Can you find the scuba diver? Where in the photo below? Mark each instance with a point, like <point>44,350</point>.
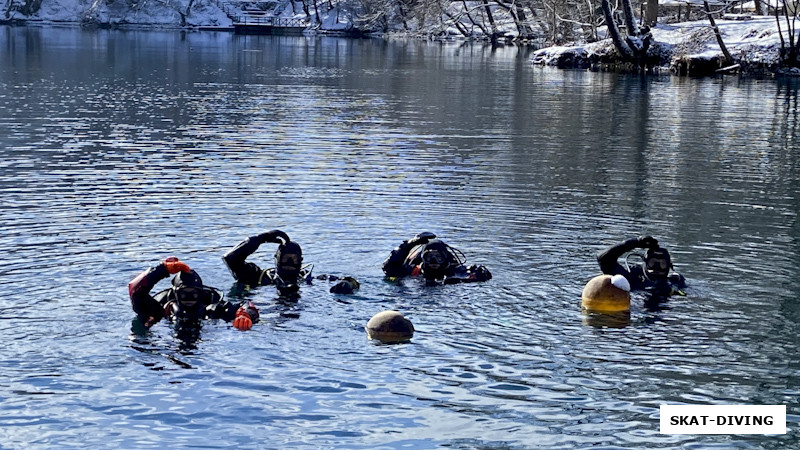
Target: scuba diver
<point>187,301</point>
<point>654,275</point>
<point>436,261</point>
<point>289,271</point>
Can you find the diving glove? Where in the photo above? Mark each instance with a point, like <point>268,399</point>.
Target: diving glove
<point>648,242</point>
<point>422,238</point>
<point>245,316</point>
<point>174,265</point>
<point>275,236</point>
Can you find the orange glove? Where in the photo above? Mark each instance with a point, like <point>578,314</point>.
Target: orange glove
<point>174,265</point>
<point>243,321</point>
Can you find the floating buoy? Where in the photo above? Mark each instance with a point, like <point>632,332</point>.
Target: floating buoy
<point>389,327</point>
<point>606,294</point>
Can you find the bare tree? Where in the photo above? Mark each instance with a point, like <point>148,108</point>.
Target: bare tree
<point>29,7</point>
<point>616,36</point>
<point>651,13</point>
<point>633,48</point>
<point>725,52</point>
<point>788,52</point>
<point>559,20</point>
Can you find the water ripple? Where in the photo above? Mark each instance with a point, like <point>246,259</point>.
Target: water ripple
<point>530,174</point>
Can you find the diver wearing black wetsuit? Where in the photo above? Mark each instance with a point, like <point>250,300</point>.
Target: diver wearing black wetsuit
<point>433,259</point>
<point>187,301</point>
<point>289,271</point>
<point>654,275</point>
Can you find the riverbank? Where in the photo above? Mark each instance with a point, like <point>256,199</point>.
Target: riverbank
<point>122,148</point>
<point>688,48</point>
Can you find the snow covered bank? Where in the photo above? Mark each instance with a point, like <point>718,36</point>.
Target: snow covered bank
<point>463,19</point>
<point>163,13</point>
<point>687,48</point>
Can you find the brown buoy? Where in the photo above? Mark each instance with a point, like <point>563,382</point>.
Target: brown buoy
<point>606,294</point>
<point>389,327</point>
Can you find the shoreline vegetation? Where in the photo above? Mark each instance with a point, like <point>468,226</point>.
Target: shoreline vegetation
<point>685,37</point>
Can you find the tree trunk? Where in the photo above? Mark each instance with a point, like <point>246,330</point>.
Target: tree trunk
<point>592,21</point>
<point>790,56</point>
<point>728,58</point>
<point>630,18</point>
<point>651,13</point>
<point>316,12</point>
<point>525,29</point>
<point>456,23</point>
<point>488,16</point>
<point>518,15</point>
<point>30,7</point>
<point>613,31</point>
<point>188,13</point>
<point>477,24</point>
<point>403,15</point>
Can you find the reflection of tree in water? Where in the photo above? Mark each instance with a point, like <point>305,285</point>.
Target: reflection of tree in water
<point>786,122</point>
<point>786,113</point>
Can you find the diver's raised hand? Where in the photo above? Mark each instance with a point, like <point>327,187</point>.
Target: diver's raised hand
<point>275,236</point>
<point>174,265</point>
<point>648,242</point>
<point>422,238</point>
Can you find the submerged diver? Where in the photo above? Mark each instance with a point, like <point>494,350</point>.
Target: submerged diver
<point>187,301</point>
<point>438,262</point>
<point>654,275</point>
<point>289,271</point>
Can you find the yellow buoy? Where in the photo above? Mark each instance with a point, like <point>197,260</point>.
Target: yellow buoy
<point>389,327</point>
<point>606,294</point>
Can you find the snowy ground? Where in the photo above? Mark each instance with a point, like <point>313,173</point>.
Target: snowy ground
<point>147,13</point>
<point>754,41</point>
<point>758,36</point>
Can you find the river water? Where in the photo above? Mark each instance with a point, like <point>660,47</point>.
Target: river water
<point>122,148</point>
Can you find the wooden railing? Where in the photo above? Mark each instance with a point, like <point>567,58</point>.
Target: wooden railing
<point>248,15</point>
<point>270,21</point>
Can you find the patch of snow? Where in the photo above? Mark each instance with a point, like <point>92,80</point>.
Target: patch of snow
<point>756,40</point>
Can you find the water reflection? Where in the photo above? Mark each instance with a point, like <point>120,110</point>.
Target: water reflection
<point>607,320</point>
<point>120,148</point>
<point>185,342</point>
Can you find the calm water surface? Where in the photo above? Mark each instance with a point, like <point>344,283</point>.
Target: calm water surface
<point>121,148</point>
